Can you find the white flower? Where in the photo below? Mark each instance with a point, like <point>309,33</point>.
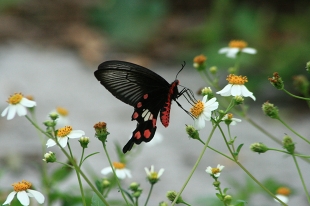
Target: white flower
<point>202,111</point>
<point>62,119</point>
<point>283,198</point>
<point>63,134</point>
<point>216,172</point>
<point>236,46</point>
<point>235,87</point>
<point>120,170</point>
<point>230,119</point>
<point>153,176</point>
<point>17,104</point>
<point>23,193</point>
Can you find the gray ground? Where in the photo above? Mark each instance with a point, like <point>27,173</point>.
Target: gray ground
<point>59,78</point>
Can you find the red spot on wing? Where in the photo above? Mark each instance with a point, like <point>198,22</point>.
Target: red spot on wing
<point>145,96</point>
<point>147,133</point>
<point>137,135</point>
<point>135,115</point>
<point>154,122</point>
<point>139,104</point>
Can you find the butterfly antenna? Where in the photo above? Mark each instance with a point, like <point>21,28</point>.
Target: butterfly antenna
<point>183,65</point>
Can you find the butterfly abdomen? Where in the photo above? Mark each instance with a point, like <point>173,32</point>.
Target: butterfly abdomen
<point>165,110</point>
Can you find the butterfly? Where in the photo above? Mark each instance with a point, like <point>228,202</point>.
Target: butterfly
<point>146,91</point>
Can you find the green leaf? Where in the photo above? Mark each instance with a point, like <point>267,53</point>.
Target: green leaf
<point>90,156</point>
<point>96,201</point>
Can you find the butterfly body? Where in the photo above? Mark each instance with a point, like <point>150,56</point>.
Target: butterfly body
<point>146,91</point>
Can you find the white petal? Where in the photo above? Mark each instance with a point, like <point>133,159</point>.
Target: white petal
<point>209,170</point>
<point>37,195</point>
<point>217,174</point>
<point>21,110</point>
<point>27,103</point>
<point>147,171</point>
<point>160,172</point>
<point>232,52</point>
<point>9,198</point>
<point>76,134</point>
<point>23,198</point>
<point>152,168</point>
<point>211,101</point>
<point>199,123</point>
<point>127,172</point>
<point>249,50</point>
<point>236,90</point>
<point>63,141</point>
<point>224,50</point>
<point>50,143</point>
<point>5,111</point>
<point>246,93</point>
<point>205,99</point>
<point>207,115</point>
<point>212,106</point>
<point>220,167</point>
<point>12,112</point>
<point>120,174</point>
<point>226,90</point>
<point>282,198</point>
<point>106,170</point>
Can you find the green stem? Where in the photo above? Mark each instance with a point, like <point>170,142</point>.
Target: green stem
<point>301,178</point>
<point>229,134</point>
<point>113,170</point>
<point>216,151</point>
<point>82,156</point>
<point>78,176</point>
<point>293,130</point>
<point>149,195</point>
<point>298,97</point>
<point>196,164</point>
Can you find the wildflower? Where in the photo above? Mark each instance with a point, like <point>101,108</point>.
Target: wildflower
<point>229,120</point>
<point>202,111</point>
<point>23,191</point>
<point>235,47</point>
<point>238,100</point>
<point>63,134</point>
<point>17,104</point>
<point>258,147</point>
<point>62,119</point>
<point>135,188</point>
<point>276,81</point>
<point>200,62</point>
<point>270,110</point>
<point>207,91</point>
<point>153,176</point>
<point>49,157</point>
<point>235,87</point>
<point>282,194</point>
<point>84,141</point>
<point>120,170</point>
<point>215,172</point>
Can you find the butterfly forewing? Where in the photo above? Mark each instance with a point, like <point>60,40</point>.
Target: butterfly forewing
<point>129,82</point>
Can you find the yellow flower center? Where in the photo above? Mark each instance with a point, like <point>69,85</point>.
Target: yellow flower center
<point>21,186</point>
<point>15,98</point>
<point>197,109</point>
<point>215,170</point>
<point>234,79</point>
<point>63,132</point>
<point>283,191</point>
<point>229,116</point>
<point>238,44</point>
<point>62,111</point>
<point>118,165</point>
<point>200,59</point>
<point>154,175</point>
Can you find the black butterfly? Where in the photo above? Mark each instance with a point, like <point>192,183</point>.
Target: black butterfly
<point>143,89</point>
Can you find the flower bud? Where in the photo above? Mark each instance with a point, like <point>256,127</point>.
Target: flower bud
<point>53,116</point>
<point>200,62</point>
<point>49,157</point>
<point>301,84</point>
<point>84,141</point>
<point>308,66</point>
<point>213,70</point>
<point>207,91</point>
<point>288,144</point>
<point>259,147</point>
<point>163,204</point>
<point>101,131</point>
<point>270,110</point>
<point>192,132</point>
<point>276,81</point>
<point>134,186</point>
<point>238,100</point>
<point>227,199</point>
<point>106,183</point>
<point>216,183</point>
<point>171,195</point>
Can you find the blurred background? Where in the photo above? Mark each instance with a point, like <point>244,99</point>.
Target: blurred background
<point>50,49</point>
